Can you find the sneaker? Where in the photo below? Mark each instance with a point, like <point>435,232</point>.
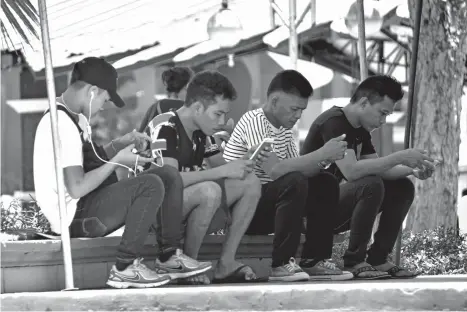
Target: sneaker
<point>289,272</point>
<point>182,266</point>
<point>136,275</point>
<point>325,271</point>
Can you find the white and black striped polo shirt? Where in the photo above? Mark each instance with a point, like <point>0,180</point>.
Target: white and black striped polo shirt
<point>250,130</point>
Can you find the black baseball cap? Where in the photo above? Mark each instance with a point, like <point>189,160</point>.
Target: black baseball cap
<point>98,72</point>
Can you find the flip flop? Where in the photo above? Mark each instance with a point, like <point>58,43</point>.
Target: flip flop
<point>396,269</point>
<point>238,276</point>
<point>356,273</point>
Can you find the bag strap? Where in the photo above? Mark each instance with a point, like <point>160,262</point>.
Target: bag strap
<point>63,109</point>
<point>158,108</point>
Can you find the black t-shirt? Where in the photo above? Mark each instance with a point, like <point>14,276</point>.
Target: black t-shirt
<point>190,153</point>
<point>333,123</point>
<point>160,107</point>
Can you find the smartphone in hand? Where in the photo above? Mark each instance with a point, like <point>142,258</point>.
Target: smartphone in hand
<point>267,142</point>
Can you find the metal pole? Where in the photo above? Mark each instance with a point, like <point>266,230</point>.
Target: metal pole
<point>272,14</point>
<point>410,123</point>
<point>293,40</point>
<point>293,54</point>
<point>313,12</point>
<point>65,235</point>
<point>362,41</point>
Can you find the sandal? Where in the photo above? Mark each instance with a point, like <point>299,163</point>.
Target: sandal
<point>238,276</point>
<point>356,273</point>
<point>396,269</point>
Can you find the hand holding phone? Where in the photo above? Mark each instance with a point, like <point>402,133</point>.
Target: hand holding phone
<point>266,143</point>
<point>423,174</point>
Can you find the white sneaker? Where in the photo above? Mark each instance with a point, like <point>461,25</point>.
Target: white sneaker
<point>182,266</point>
<point>136,275</point>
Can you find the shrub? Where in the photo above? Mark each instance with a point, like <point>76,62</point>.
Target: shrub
<point>18,216</point>
<point>432,252</point>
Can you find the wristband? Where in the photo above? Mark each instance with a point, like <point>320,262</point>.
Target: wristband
<point>112,144</point>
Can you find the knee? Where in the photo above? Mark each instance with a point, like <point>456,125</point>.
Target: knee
<point>171,176</point>
<point>295,179</point>
<point>151,184</point>
<point>406,188</point>
<point>252,185</point>
<point>328,181</point>
<point>373,186</point>
<point>210,194</point>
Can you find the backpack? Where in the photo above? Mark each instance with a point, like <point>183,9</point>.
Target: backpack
<point>159,108</point>
<point>90,160</point>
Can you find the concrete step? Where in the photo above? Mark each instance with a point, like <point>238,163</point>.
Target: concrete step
<point>447,293</point>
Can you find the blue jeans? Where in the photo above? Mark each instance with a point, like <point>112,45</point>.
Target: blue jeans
<point>138,203</point>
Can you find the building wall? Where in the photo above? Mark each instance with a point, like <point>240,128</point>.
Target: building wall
<point>10,84</point>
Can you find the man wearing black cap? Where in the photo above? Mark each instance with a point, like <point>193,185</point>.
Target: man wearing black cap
<point>97,203</point>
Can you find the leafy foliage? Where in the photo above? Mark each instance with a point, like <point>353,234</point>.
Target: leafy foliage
<point>432,252</point>
<point>23,18</point>
<point>18,216</point>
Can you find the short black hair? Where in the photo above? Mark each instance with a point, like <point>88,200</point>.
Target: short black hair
<point>176,78</point>
<point>374,88</point>
<point>205,86</point>
<point>291,82</point>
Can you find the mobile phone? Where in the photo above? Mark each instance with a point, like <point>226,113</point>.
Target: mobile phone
<point>436,163</point>
<point>267,142</point>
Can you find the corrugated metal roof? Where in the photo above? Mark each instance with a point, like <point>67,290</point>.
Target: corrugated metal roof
<point>81,28</point>
<point>106,27</point>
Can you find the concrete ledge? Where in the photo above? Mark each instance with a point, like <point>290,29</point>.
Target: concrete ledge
<point>48,251</point>
<point>42,260</point>
<point>423,293</point>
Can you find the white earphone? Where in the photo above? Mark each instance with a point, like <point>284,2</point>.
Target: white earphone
<point>89,130</point>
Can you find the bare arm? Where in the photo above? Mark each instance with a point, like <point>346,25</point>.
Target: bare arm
<point>190,178</point>
<point>353,169</point>
<point>110,150</point>
<point>216,161</point>
<point>141,141</point>
<point>394,173</point>
<point>79,184</point>
<point>307,164</point>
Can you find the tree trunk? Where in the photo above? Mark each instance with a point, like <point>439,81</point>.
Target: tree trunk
<point>437,102</point>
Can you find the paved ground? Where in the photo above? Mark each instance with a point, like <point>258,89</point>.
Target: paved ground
<point>448,293</point>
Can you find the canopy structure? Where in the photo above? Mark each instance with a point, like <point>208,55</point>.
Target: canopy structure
<point>81,28</point>
<point>99,28</point>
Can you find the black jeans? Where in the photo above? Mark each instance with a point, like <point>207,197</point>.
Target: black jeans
<point>359,204</point>
<point>284,203</point>
<point>152,199</point>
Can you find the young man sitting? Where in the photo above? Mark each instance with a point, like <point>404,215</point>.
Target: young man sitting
<point>223,194</point>
<point>372,184</point>
<point>293,185</point>
<point>96,202</point>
